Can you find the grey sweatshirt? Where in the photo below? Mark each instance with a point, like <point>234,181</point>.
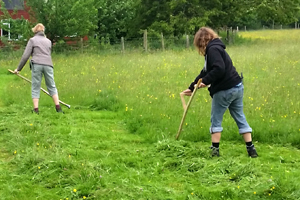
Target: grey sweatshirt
<point>39,47</point>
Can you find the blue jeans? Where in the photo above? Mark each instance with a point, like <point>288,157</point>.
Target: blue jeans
<point>233,100</point>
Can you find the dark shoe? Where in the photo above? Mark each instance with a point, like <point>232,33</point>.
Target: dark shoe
<point>59,110</point>
<point>252,151</point>
<point>35,111</point>
<point>214,151</point>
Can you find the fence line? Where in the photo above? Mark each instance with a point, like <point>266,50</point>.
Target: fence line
<point>145,43</point>
<point>162,42</point>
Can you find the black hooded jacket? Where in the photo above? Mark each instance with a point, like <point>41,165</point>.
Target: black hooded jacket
<point>218,71</point>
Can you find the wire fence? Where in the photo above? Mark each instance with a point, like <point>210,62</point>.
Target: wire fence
<point>142,44</point>
<point>145,43</point>
<point>105,46</point>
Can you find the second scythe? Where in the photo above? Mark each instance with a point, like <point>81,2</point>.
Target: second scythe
<point>186,106</point>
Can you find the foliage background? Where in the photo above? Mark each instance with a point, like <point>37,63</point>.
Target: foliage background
<point>110,20</point>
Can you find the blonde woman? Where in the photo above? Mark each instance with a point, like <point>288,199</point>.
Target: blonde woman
<point>226,88</point>
<point>39,47</point>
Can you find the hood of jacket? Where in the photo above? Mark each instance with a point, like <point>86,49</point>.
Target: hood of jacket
<point>214,42</point>
<point>41,33</point>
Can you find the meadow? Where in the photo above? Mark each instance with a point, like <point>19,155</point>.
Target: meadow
<point>118,139</point>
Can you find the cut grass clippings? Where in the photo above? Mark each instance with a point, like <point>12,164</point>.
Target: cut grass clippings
<point>50,156</point>
<point>118,139</point>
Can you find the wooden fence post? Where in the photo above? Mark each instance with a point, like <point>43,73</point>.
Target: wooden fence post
<point>231,32</point>
<point>123,46</point>
<point>81,44</point>
<point>245,28</point>
<point>227,35</point>
<point>233,35</point>
<point>145,41</point>
<point>187,41</point>
<point>162,42</point>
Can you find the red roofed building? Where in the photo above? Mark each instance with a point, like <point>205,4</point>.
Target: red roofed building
<point>19,15</point>
<point>19,12</point>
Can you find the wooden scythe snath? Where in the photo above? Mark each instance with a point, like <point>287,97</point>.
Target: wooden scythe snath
<point>186,106</point>
<point>46,92</point>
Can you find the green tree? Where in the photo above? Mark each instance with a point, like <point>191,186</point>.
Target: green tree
<point>114,17</point>
<point>278,11</point>
<point>153,15</point>
<point>188,16</point>
<point>226,13</point>
<point>171,17</point>
<point>65,18</point>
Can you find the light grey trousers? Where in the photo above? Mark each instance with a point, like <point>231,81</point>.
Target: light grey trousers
<point>37,72</point>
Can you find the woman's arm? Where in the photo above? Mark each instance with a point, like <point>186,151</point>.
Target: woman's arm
<point>215,66</point>
<point>202,74</point>
<point>26,55</point>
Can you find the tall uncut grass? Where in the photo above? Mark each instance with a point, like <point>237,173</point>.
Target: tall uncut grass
<point>146,87</point>
<point>118,139</point>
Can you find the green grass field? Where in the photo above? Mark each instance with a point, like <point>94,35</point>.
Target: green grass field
<point>118,139</point>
